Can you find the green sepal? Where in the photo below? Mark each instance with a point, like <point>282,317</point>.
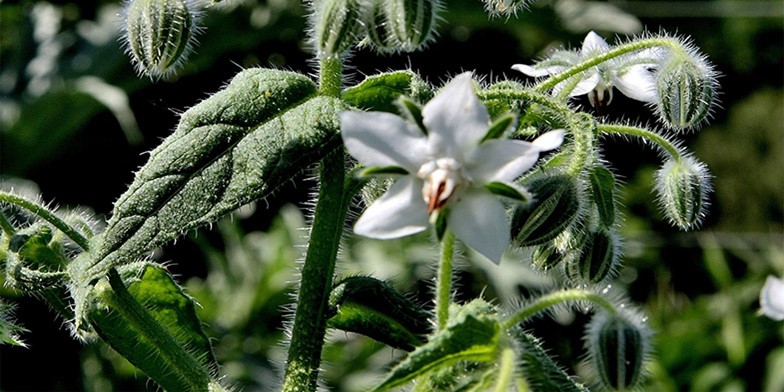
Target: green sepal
<point>499,127</point>
<point>538,368</point>
<point>440,225</point>
<point>145,316</point>
<point>546,257</point>
<point>506,190</point>
<point>472,334</point>
<point>598,259</point>
<point>602,187</point>
<point>414,112</point>
<point>380,171</point>
<point>554,208</point>
<point>375,309</point>
<point>34,245</point>
<point>380,92</point>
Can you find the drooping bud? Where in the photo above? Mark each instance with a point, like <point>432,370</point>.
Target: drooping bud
<point>599,258</point>
<point>618,346</point>
<point>546,257</point>
<point>686,86</point>
<point>337,26</point>
<point>412,22</point>
<point>159,34</point>
<point>555,206</point>
<point>682,187</point>
<point>377,25</point>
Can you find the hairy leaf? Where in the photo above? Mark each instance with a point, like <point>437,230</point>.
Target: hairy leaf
<point>380,92</point>
<point>539,369</point>
<point>153,324</point>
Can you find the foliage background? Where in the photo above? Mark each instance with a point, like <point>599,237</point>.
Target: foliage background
<point>75,122</point>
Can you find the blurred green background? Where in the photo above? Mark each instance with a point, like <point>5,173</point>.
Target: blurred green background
<point>75,122</point>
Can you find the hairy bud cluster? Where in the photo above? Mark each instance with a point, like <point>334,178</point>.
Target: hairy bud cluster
<point>618,346</point>
<point>682,187</point>
<point>385,25</point>
<point>555,206</point>
<point>159,34</point>
<point>686,87</point>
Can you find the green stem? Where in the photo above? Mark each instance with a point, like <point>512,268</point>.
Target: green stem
<point>556,298</point>
<point>187,368</point>
<point>645,134</point>
<point>506,369</point>
<point>444,279</point>
<point>48,216</point>
<point>617,51</point>
<point>310,321</point>
<point>331,76</point>
<point>528,96</point>
<point>582,128</point>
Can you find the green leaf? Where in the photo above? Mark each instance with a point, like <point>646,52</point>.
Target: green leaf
<point>380,92</point>
<point>602,186</point>
<point>34,245</point>
<point>233,148</point>
<point>374,308</point>
<point>386,170</point>
<point>499,126</point>
<point>506,190</point>
<point>471,335</point>
<point>9,330</point>
<point>153,324</point>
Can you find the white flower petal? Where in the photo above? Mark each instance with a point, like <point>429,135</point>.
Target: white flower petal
<point>594,44</point>
<point>479,220</point>
<point>455,119</point>
<point>501,160</point>
<point>550,140</point>
<point>536,71</point>
<point>399,212</point>
<point>383,139</point>
<point>772,298</point>
<point>586,85</point>
<point>638,83</point>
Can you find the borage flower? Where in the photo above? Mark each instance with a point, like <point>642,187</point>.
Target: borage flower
<point>772,298</point>
<point>631,74</point>
<point>452,166</point>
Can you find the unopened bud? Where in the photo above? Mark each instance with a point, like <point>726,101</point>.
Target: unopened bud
<point>546,257</point>
<point>599,258</point>
<point>555,206</point>
<point>337,25</point>
<point>377,26</point>
<point>686,86</point>
<point>618,348</point>
<point>683,186</point>
<point>413,22</point>
<point>159,34</point>
<point>504,7</point>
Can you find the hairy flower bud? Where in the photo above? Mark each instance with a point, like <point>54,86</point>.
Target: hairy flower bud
<point>504,7</point>
<point>555,206</point>
<point>377,26</point>
<point>686,86</point>
<point>337,25</point>
<point>546,257</point>
<point>682,186</point>
<point>412,22</point>
<point>159,34</point>
<point>618,346</point>
<point>599,258</point>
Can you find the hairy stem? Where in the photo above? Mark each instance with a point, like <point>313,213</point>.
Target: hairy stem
<point>644,134</point>
<point>444,279</point>
<point>48,216</point>
<point>556,298</point>
<point>505,370</point>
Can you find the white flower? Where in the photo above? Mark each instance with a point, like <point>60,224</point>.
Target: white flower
<point>772,298</point>
<point>446,169</point>
<point>631,74</point>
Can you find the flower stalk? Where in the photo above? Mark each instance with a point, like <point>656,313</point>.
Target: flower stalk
<point>556,298</point>
<point>444,280</point>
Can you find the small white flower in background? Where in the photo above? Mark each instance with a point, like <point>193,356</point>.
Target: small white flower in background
<point>631,74</point>
<point>772,298</point>
<point>446,169</point>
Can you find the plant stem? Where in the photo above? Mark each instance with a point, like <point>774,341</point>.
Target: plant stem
<point>556,298</point>
<point>331,76</point>
<point>48,216</point>
<point>505,371</point>
<point>444,279</point>
<point>645,134</point>
<point>310,322</point>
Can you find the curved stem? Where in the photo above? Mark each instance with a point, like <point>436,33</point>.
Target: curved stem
<point>661,141</point>
<point>48,216</point>
<point>617,51</point>
<point>444,279</point>
<point>556,298</point>
<point>529,96</point>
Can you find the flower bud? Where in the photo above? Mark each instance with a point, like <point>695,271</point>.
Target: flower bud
<point>686,86</point>
<point>598,259</point>
<point>377,27</point>
<point>546,257</point>
<point>412,22</point>
<point>504,7</point>
<point>555,206</point>
<point>618,346</point>
<point>159,34</point>
<point>682,186</point>
<point>337,25</point>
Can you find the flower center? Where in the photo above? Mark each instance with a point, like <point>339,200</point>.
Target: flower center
<point>444,177</point>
